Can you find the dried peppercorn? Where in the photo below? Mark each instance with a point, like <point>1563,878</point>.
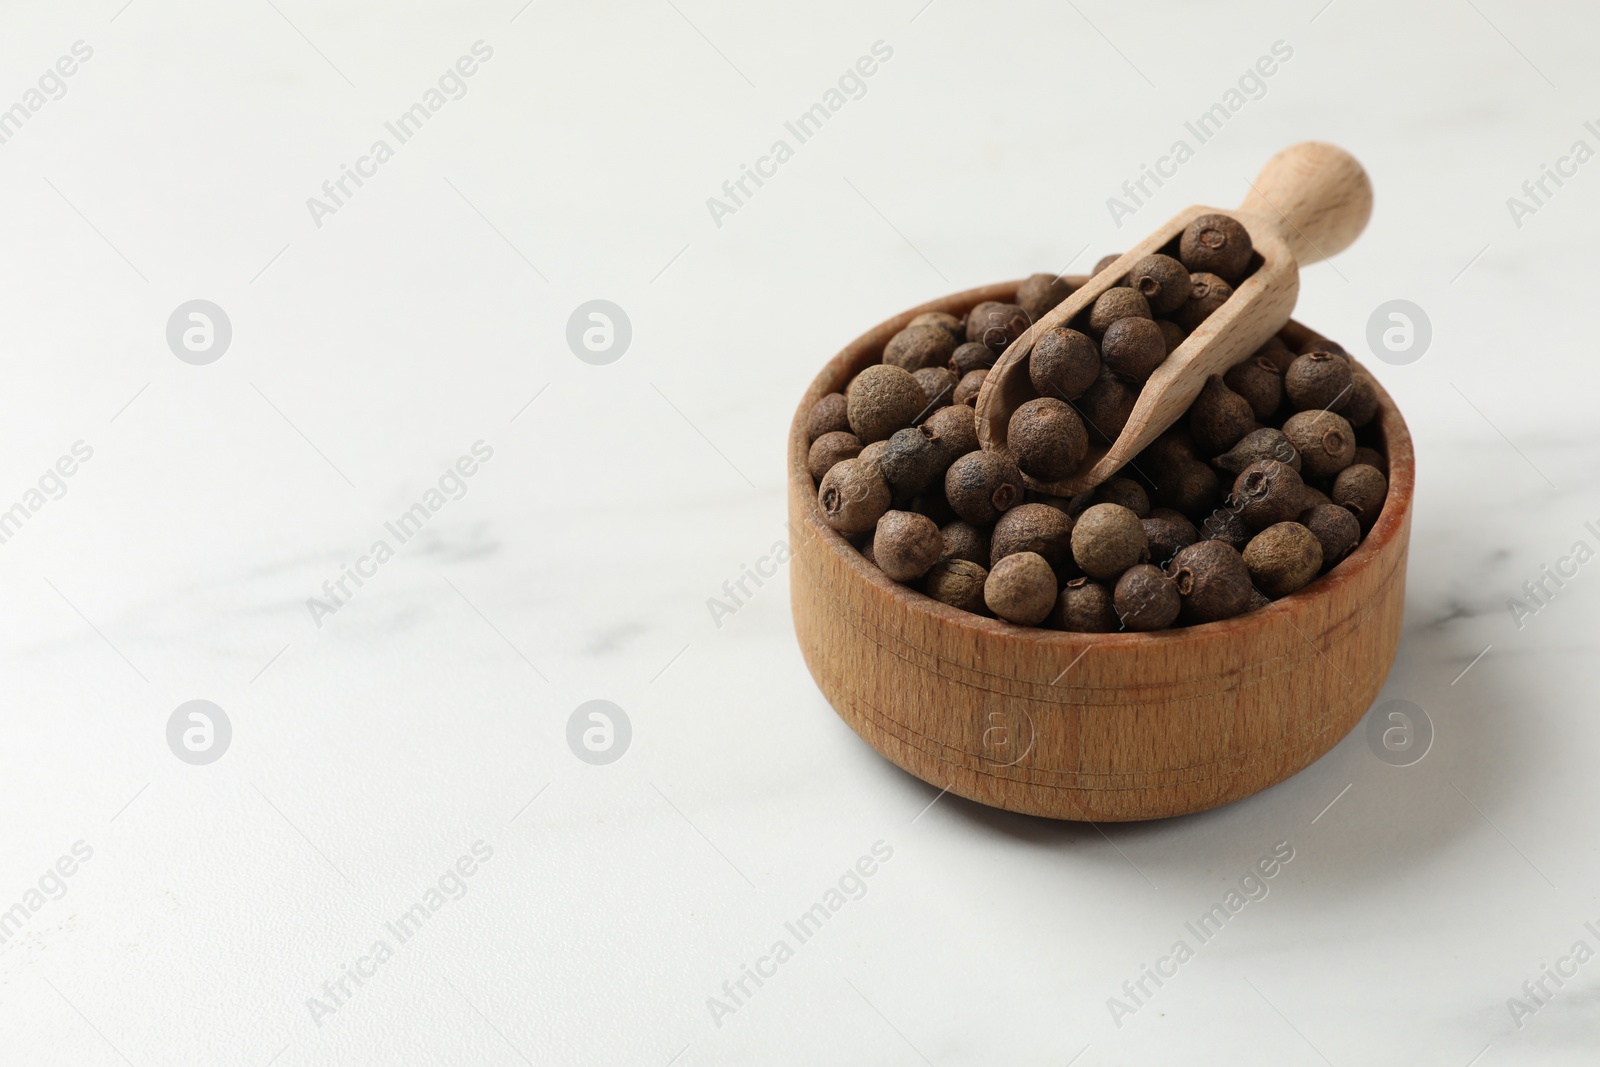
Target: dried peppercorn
<point>1047,438</point>
<point>1118,302</point>
<point>938,384</point>
<point>1372,458</point>
<point>1132,348</point>
<point>1260,382</point>
<point>1021,588</point>
<point>1336,530</point>
<point>1362,406</point>
<point>827,415</point>
<point>829,449</point>
<point>1212,581</point>
<point>1167,531</point>
<point>959,583</point>
<point>1361,490</point>
<point>964,540</point>
<point>882,399</point>
<point>1085,606</point>
<point>1282,558</point>
<point>1035,528</point>
<point>1325,441</point>
<point>1219,417</point>
<point>954,429</point>
<point>980,485</point>
<point>912,462</point>
<point>1125,491</point>
<point>933,504</point>
<point>1162,281</point>
<point>1318,381</point>
<point>1267,492</point>
<point>1265,443</point>
<point>1172,334</point>
<point>1207,293</point>
<point>1188,486</point>
<point>1105,407</point>
<point>1216,244</point>
<point>969,357</point>
<point>1039,293</point>
<point>853,496</point>
<point>944,320</point>
<point>1107,539</point>
<point>905,545</point>
<point>1279,353</point>
<point>916,347</point>
<point>1063,363</point>
<point>1146,599</point>
<point>968,388</point>
<point>1226,526</point>
<point>1105,261</point>
<point>996,325</point>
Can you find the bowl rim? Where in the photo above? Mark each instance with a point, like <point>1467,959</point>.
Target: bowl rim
<point>1370,552</point>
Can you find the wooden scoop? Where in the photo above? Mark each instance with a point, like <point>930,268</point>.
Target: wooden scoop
<point>1310,201</point>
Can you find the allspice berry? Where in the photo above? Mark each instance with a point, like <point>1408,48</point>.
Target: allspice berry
<point>1108,539</point>
<point>912,462</point>
<point>1105,261</point>
<point>944,320</point>
<point>1047,438</point>
<point>872,453</point>
<point>996,325</point>
<point>1167,531</point>
<point>980,485</point>
<point>1325,441</point>
<point>1146,599</point>
<point>938,384</point>
<point>968,388</point>
<point>1267,492</point>
<point>1226,526</point>
<point>1105,407</point>
<point>1279,353</point>
<point>1188,486</point>
<point>1219,417</point>
<point>1216,244</point>
<point>933,504</point>
<point>1173,334</point>
<point>1362,405</point>
<point>905,545</point>
<point>1282,558</point>
<point>1162,281</point>
<point>1116,303</point>
<point>1064,363</point>
<point>882,399</point>
<point>1336,530</point>
<point>1361,490</point>
<point>829,449</point>
<point>1318,381</point>
<point>1372,458</point>
<point>1125,491</point>
<point>1265,443</point>
<point>1041,292</point>
<point>853,496</point>
<point>959,583</point>
<point>969,357</point>
<point>1207,293</point>
<point>1212,581</point>
<point>916,347</point>
<point>1260,382</point>
<point>963,540</point>
<point>1086,607</point>
<point>954,428</point>
<point>1021,589</point>
<point>1133,348</point>
<point>1036,528</point>
<point>827,415</point>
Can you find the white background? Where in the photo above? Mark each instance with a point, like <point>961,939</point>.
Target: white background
<point>372,351</point>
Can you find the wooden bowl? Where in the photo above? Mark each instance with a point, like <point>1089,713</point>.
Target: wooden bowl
<point>1097,727</point>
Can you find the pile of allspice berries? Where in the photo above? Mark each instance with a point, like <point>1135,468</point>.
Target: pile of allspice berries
<point>1269,480</point>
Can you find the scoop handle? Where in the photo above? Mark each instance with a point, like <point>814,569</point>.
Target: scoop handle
<point>1317,195</point>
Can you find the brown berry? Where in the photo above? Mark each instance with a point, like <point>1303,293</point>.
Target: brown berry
<point>912,462</point>
<point>1207,293</point>
<point>1105,407</point>
<point>1260,382</point>
<point>1336,530</point>
<point>1216,244</point>
<point>933,504</point>
<point>1282,558</point>
<point>916,347</point>
<point>827,416</point>
<point>1318,381</point>
<point>873,452</point>
<point>1116,303</point>
<point>1265,443</point>
<point>1125,491</point>
<point>959,583</point>
<point>1085,606</point>
<point>1226,526</point>
<point>1361,490</point>
<point>1212,580</point>
<point>963,540</point>
<point>1219,417</point>
<point>829,449</point>
<point>1035,528</point>
<point>1167,531</point>
<point>1108,539</point>
<point>1188,486</point>
<point>1146,599</point>
<point>905,545</point>
<point>853,496</point>
<point>1047,438</point>
<point>954,429</point>
<point>1172,334</point>
<point>1267,492</point>
<point>1021,589</point>
<point>945,321</point>
<point>1133,348</point>
<point>1041,292</point>
<point>1105,261</point>
<point>1063,363</point>
<point>996,325</point>
<point>969,357</point>
<point>1279,353</point>
<point>1372,458</point>
<point>1361,407</point>
<point>980,485</point>
<point>1162,281</point>
<point>968,388</point>
<point>938,384</point>
<point>881,400</point>
<point>1324,440</point>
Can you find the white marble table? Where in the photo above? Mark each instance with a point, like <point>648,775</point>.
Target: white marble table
<point>399,773</point>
